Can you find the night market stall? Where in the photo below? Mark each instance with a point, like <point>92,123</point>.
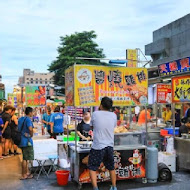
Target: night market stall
<point>85,86</point>
<point>181,94</point>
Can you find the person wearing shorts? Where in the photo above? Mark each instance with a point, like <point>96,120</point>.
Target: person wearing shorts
<point>6,131</point>
<point>25,126</point>
<point>1,143</point>
<point>103,123</point>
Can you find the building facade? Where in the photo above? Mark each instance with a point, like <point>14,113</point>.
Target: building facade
<point>171,42</point>
<point>31,78</point>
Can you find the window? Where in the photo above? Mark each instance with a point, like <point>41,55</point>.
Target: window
<point>31,79</point>
<point>45,82</point>
<point>31,82</point>
<point>40,82</point>
<point>36,82</point>
<point>27,79</point>
<point>27,82</point>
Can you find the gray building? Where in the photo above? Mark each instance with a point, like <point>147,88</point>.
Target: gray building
<point>31,78</point>
<point>171,42</point>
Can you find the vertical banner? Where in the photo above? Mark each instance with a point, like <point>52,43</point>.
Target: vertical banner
<point>163,93</point>
<point>132,54</point>
<point>125,86</point>
<point>181,89</point>
<point>12,99</point>
<point>20,95</point>
<point>69,86</point>
<point>35,96</point>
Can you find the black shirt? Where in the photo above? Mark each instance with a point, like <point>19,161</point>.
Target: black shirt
<point>84,129</point>
<point>6,117</point>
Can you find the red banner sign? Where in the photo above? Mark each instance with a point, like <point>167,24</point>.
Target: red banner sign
<point>164,93</point>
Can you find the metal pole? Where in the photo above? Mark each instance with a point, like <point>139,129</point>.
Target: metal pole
<point>156,114</point>
<point>173,118</point>
<point>67,130</point>
<point>75,129</point>
<point>146,126</point>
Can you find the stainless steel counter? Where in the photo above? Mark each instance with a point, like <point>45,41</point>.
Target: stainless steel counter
<point>182,147</point>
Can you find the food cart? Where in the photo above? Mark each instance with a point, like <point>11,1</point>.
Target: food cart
<point>162,97</point>
<point>85,86</point>
<point>181,94</point>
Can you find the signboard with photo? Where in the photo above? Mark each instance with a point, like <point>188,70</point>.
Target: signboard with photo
<point>129,164</point>
<point>35,96</point>
<point>164,93</point>
<point>125,86</point>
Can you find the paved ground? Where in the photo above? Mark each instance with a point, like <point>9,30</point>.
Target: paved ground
<point>10,172</point>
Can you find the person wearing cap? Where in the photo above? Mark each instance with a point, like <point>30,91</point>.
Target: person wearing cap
<point>185,127</point>
<point>142,116</point>
<point>84,127</point>
<point>167,114</point>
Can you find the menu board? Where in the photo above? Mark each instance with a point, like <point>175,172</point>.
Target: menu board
<point>164,93</point>
<point>125,86</point>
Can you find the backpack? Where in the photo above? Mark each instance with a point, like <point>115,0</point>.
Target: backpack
<point>16,137</point>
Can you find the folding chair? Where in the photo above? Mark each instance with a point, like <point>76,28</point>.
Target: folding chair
<point>52,159</point>
<point>41,163</point>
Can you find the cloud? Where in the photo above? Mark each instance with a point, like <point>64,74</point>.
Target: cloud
<point>30,29</point>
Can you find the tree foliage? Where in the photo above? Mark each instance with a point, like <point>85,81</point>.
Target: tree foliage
<point>72,46</point>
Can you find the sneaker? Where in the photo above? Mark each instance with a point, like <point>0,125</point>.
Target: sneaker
<point>95,188</point>
<point>113,188</point>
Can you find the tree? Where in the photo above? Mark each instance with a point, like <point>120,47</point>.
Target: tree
<point>76,45</point>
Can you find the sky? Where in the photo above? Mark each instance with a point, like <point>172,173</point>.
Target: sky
<point>30,30</point>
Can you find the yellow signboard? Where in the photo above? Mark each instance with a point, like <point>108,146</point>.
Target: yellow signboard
<point>125,86</point>
<point>132,57</point>
<point>181,89</point>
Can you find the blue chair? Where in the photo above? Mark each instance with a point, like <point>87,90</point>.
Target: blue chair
<point>52,159</point>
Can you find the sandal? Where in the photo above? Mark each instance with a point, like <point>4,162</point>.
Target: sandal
<point>30,176</point>
<point>23,178</point>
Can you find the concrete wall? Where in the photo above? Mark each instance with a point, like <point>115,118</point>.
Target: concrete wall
<point>178,35</point>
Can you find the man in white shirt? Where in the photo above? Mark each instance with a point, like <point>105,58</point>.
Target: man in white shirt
<point>103,123</point>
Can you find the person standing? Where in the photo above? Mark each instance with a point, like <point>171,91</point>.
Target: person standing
<point>25,126</point>
<point>46,120</point>
<point>167,115</point>
<point>103,123</point>
<point>1,139</point>
<point>14,127</point>
<point>56,122</point>
<point>142,116</point>
<point>187,112</point>
<point>84,127</point>
<point>6,131</point>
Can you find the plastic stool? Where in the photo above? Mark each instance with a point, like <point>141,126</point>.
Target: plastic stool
<point>41,162</point>
<point>52,159</point>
